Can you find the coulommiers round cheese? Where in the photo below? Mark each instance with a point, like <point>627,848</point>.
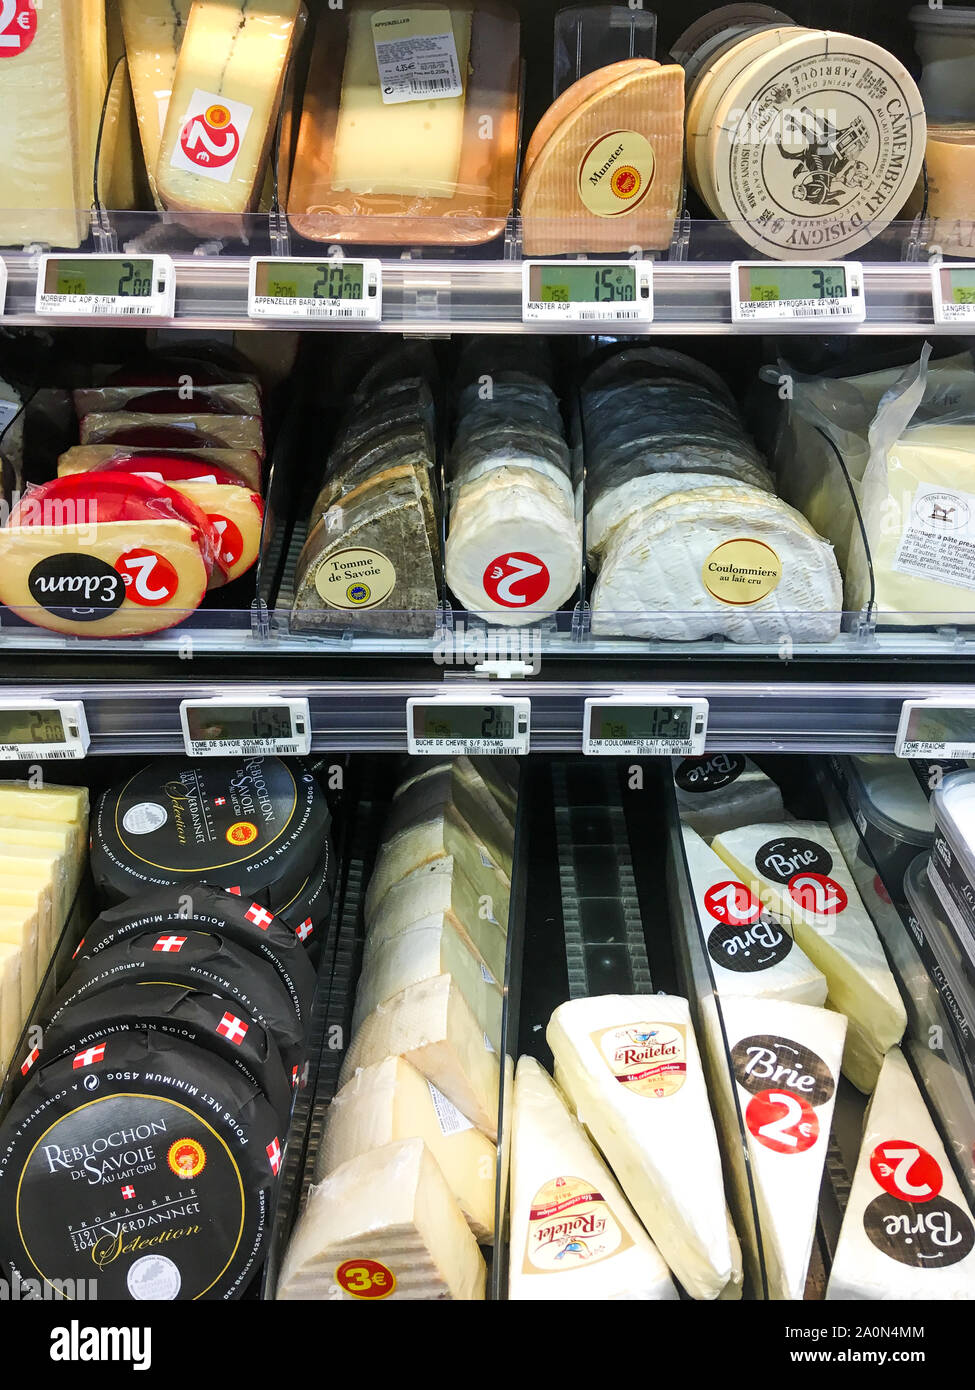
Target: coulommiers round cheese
<point>816,146</point>
<point>138,1168</point>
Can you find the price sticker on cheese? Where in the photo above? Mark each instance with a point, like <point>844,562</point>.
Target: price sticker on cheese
<point>33,730</point>
<point>479,724</point>
<point>796,292</point>
<point>262,726</point>
<point>621,726</point>
<point>337,291</point>
<point>936,728</point>
<point>106,287</point>
<point>575,292</point>
<point>953,292</point>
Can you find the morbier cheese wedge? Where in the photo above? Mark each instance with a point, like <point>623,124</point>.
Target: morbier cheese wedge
<point>11,1017</point>
<point>391,1101</point>
<point>752,955</point>
<point>631,1068</point>
<point>798,872</point>
<point>908,1232</point>
<point>235,432</point>
<point>154,32</point>
<point>574,1236</point>
<point>388,1212</point>
<point>785,1059</point>
<point>435,891</point>
<point>429,948</point>
<point>19,926</point>
<point>226,90</point>
<point>722,791</point>
<point>432,1026</point>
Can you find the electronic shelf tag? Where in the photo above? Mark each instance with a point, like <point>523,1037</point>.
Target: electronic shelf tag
<point>936,728</point>
<point>338,291</point>
<point>106,287</point>
<point>620,725</point>
<point>476,724</point>
<point>953,292</point>
<point>244,727</point>
<point>583,292</point>
<point>34,730</point>
<point>797,292</point>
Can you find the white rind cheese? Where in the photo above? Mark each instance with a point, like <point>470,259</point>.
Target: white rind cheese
<point>908,1232</point>
<point>630,1066</point>
<point>573,1234</point>
<point>439,890</point>
<point>721,791</point>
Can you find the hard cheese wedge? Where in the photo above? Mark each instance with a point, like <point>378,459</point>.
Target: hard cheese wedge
<point>30,891</point>
<point>439,890</point>
<point>752,951</point>
<point>449,788</point>
<point>798,872</point>
<point>429,948</point>
<point>154,32</point>
<point>238,516</point>
<point>20,927</point>
<point>908,1232</point>
<point>43,865</point>
<point>574,1236</point>
<point>226,90</point>
<point>52,804</point>
<point>383,1225</point>
<point>785,1059</point>
<point>630,1066</point>
<point>432,1026</point>
<point>574,97</point>
<point>391,1101</point>
<point>11,1016</point>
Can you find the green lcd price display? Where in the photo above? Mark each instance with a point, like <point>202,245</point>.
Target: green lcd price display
<point>43,729</point>
<point>935,728</point>
<point>329,290</point>
<point>583,284</point>
<point>953,291</point>
<point>962,286</point>
<point>617,725</point>
<point>770,284</point>
<point>34,726</point>
<point>239,723</point>
<point>638,724</point>
<point>305,280</point>
<point>484,725</point>
<point>116,279</point>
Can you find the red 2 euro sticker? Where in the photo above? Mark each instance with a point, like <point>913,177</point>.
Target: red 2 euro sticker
<point>905,1170</point>
<point>149,577</point>
<point>211,136</point>
<point>733,903</point>
<point>782,1121</point>
<point>18,25</point>
<point>231,541</point>
<point>516,580</point>
<point>819,894</point>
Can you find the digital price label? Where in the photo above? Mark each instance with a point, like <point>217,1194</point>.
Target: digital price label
<point>953,292</point>
<point>100,286</point>
<point>336,290</point>
<point>575,292</point>
<point>936,729</point>
<point>621,726</point>
<point>482,724</point>
<point>33,730</point>
<point>264,726</point>
<point>790,292</point>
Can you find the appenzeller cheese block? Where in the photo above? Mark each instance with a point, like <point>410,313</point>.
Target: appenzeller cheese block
<point>609,176</point>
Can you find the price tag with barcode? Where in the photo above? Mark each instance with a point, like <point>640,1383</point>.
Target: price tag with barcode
<point>416,54</point>
<point>338,290</point>
<point>580,292</point>
<point>953,292</point>
<point>936,728</point>
<point>35,730</point>
<point>257,726</point>
<point>107,287</point>
<point>476,724</point>
<point>797,292</point>
<point>619,725</point>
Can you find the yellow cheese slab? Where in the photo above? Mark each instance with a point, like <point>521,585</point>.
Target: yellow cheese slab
<point>19,927</point>
<point>154,32</point>
<point>10,996</point>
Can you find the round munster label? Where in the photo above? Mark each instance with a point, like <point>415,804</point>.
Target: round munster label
<point>570,1226</point>
<point>710,773</point>
<point>355,579</point>
<point>650,1059</point>
<point>781,860</point>
<point>616,173</point>
<point>741,572</point>
<point>18,25</point>
<point>766,1062</point>
<point>747,950</point>
<point>932,1235</point>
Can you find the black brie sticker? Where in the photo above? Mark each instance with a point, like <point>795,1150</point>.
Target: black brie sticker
<point>927,1235</point>
<point>748,949</point>
<point>710,773</point>
<point>780,860</point>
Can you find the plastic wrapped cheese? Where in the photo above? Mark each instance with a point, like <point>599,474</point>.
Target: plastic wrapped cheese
<point>721,791</point>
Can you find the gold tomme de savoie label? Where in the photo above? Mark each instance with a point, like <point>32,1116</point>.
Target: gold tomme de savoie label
<point>650,1059</point>
<point>570,1226</point>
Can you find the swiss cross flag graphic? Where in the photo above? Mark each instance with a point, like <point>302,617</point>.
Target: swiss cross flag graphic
<point>294,1076</point>
<point>30,1061</point>
<point>88,1057</point>
<point>274,1154</point>
<point>169,943</point>
<point>233,1028</point>
<point>305,930</point>
<point>259,916</point>
<point>128,1192</point>
<point>235,891</point>
<point>220,801</point>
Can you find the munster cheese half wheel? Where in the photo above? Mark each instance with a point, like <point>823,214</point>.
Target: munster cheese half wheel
<point>574,97</point>
<point>143,1164</point>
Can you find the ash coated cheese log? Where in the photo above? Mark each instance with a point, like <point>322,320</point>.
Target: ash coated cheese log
<point>391,1101</point>
<point>631,1068</point>
<point>797,871</point>
<point>573,1234</point>
<point>908,1232</point>
<point>154,32</point>
<point>432,1026</point>
<point>384,1224</point>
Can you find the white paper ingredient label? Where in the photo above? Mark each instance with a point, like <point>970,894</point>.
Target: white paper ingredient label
<point>211,136</point>
<point>416,55</point>
<point>450,1119</point>
<point>938,541</point>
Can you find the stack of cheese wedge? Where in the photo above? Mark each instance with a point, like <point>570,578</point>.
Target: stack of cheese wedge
<point>407,1171</point>
<point>43,846</point>
<point>683,527</point>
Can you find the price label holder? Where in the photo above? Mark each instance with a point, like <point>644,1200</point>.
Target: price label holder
<point>621,726</point>
<point>476,724</point>
<point>936,729</point>
<point>338,291</point>
<point>953,292</point>
<point>106,287</point>
<point>586,292</point>
<point>32,730</point>
<point>797,292</point>
<point>246,726</point>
